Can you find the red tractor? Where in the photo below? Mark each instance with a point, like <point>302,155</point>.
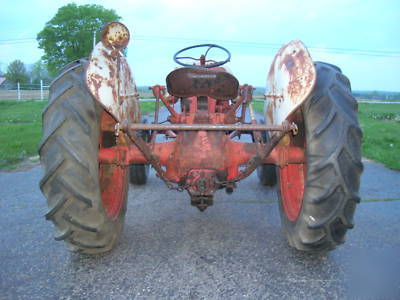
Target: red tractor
<point>308,143</point>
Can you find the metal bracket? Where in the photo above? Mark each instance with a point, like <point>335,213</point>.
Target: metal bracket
<point>150,156</point>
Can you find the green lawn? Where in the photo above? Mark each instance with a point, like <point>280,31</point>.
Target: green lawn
<point>20,130</point>
<point>381,126</point>
<point>258,105</point>
<point>147,107</point>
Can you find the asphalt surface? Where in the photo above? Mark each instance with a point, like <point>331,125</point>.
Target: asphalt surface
<point>234,250</point>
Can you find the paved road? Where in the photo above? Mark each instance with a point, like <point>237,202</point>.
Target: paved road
<point>169,249</point>
<point>359,101</point>
<point>377,101</point>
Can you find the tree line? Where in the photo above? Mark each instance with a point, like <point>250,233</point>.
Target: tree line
<point>377,95</point>
<point>17,72</point>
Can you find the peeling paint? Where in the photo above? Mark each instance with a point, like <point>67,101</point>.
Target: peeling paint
<point>290,81</point>
<point>109,77</point>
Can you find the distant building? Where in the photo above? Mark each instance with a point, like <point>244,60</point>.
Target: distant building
<point>5,84</point>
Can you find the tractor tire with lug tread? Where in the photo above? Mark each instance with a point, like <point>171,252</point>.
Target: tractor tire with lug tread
<point>266,173</point>
<point>138,173</point>
<point>333,165</point>
<point>69,156</point>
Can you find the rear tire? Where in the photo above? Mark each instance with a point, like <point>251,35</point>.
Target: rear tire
<point>88,220</point>
<point>139,173</point>
<point>266,173</point>
<point>318,199</point>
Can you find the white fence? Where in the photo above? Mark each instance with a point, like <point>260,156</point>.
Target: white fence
<point>24,91</point>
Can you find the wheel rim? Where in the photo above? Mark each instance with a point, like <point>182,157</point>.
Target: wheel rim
<point>291,183</point>
<point>113,183</point>
<point>113,179</point>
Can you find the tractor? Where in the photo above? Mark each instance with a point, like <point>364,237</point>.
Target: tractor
<point>95,142</point>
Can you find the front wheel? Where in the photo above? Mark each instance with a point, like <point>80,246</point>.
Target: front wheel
<point>318,198</point>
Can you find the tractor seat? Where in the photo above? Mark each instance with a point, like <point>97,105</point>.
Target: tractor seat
<point>214,83</point>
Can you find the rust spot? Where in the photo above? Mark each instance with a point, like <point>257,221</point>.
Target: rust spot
<point>110,81</point>
<point>115,36</point>
<point>290,80</point>
<point>214,83</point>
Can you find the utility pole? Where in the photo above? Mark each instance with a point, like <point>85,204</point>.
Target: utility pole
<point>94,38</point>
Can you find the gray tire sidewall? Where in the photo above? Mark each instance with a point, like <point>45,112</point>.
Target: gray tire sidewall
<point>70,99</point>
<point>302,233</point>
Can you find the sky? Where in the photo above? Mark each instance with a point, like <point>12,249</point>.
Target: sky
<point>362,37</point>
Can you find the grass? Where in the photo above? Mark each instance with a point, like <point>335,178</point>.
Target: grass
<point>381,127</point>
<point>380,124</point>
<point>258,106</point>
<point>20,130</point>
<point>380,200</point>
<point>147,107</point>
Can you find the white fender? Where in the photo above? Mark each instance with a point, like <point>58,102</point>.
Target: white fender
<point>291,79</point>
<point>109,78</point>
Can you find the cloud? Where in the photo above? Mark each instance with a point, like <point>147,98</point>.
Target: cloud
<point>364,72</point>
<point>333,23</point>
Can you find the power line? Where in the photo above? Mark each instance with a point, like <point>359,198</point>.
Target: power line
<point>274,46</point>
<point>244,44</point>
<point>19,39</point>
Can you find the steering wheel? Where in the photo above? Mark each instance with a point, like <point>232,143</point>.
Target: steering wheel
<point>202,58</point>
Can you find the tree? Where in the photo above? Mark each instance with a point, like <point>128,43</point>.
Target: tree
<point>69,34</point>
<point>16,72</point>
<point>39,72</point>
